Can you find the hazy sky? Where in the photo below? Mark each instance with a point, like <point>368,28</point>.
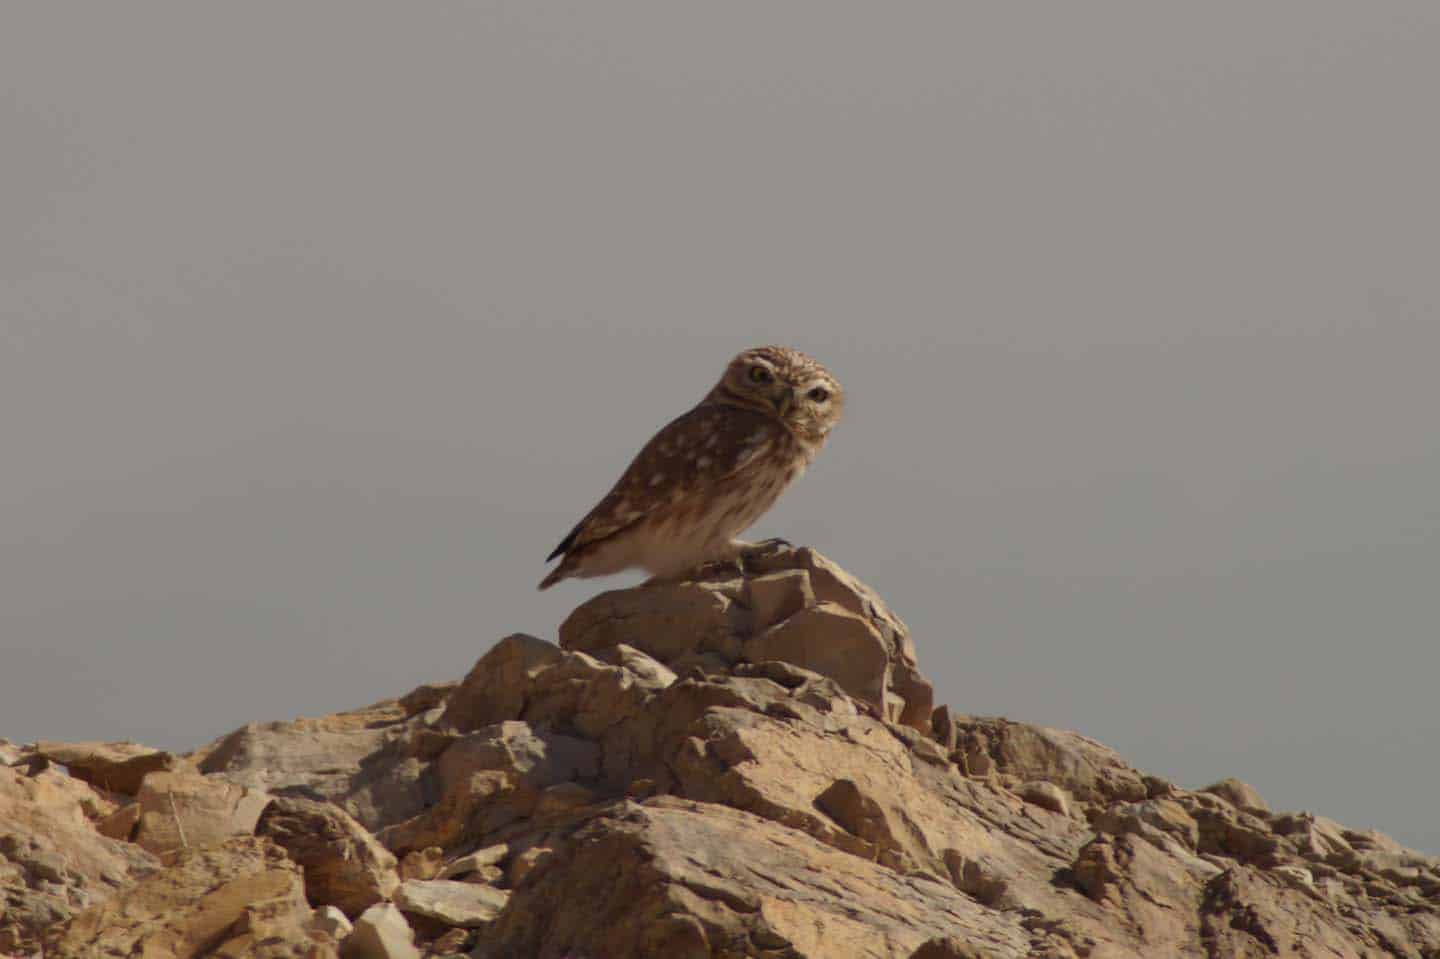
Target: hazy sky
<point>321,323</point>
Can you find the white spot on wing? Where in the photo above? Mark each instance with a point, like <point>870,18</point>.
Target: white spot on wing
<point>657,479</point>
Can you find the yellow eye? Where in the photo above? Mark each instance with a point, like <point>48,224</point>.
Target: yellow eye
<point>759,374</point>
<point>819,394</point>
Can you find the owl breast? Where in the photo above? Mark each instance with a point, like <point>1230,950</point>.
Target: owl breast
<point>702,529</point>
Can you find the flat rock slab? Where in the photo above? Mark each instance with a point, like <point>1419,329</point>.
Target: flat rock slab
<point>119,767</point>
<point>465,904</point>
<point>221,900</point>
<point>678,878</point>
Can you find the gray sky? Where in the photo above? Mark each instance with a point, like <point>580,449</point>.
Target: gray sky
<point>321,323</point>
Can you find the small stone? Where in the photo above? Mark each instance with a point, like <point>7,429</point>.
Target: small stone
<point>119,767</point>
<point>381,932</point>
<point>778,596</point>
<point>524,863</point>
<point>1239,794</point>
<point>422,863</point>
<point>453,903</point>
<point>476,861</point>
<point>1045,795</point>
<point>332,922</point>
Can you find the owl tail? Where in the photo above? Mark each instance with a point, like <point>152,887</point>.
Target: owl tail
<point>556,575</point>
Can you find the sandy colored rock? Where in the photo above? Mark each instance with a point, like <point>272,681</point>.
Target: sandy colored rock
<point>492,777</point>
<point>239,898</point>
<point>1239,794</point>
<point>331,922</point>
<point>650,791</point>
<point>797,607</point>
<point>834,642</point>
<point>344,865</point>
<point>118,767</point>
<point>678,878</point>
<point>422,863</point>
<point>381,932</point>
<point>53,863</point>
<point>121,823</point>
<point>185,810</point>
<point>362,760</point>
<point>474,862</point>
<point>1045,795</point>
<point>464,904</point>
<point>1086,769</point>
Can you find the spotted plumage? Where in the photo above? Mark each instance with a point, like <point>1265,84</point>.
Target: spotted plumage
<point>710,473</point>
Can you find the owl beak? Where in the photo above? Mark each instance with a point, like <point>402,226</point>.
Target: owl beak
<point>783,402</point>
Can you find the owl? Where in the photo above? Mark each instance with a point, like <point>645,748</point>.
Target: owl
<point>709,474</point>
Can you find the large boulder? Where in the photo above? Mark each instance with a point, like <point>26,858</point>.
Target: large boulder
<point>53,863</point>
<point>794,606</point>
<point>241,898</point>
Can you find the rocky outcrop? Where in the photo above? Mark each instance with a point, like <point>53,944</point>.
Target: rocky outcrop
<point>744,765</point>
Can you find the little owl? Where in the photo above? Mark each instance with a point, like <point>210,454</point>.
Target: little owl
<point>710,473</point>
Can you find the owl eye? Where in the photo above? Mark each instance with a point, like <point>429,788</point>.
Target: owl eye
<point>819,394</point>
<point>759,374</point>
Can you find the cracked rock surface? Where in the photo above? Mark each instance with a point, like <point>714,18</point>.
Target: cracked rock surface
<point>741,766</point>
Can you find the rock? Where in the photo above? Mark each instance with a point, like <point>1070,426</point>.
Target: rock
<point>1089,771</point>
<point>948,947</point>
<point>666,786</point>
<point>361,760</point>
<point>422,863</point>
<point>121,823</point>
<point>53,863</point>
<point>1238,794</point>
<point>476,861</point>
<point>464,904</point>
<point>239,898</point>
<point>834,642</point>
<point>778,596</point>
<point>526,863</point>
<point>185,810</point>
<point>332,922</point>
<point>1045,795</point>
<point>494,689</point>
<point>492,777</point>
<point>801,609</point>
<point>381,932</point>
<point>450,943</point>
<point>116,767</point>
<point>672,878</point>
<point>344,865</point>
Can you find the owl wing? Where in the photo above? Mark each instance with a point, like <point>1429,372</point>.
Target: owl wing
<point>692,452</point>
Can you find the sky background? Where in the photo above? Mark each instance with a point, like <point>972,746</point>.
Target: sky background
<point>320,324</point>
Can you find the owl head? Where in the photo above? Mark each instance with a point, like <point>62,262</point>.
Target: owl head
<point>785,385</point>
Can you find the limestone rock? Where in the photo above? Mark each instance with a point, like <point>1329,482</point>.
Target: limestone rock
<point>185,810</point>
<point>1239,794</point>
<point>332,922</point>
<point>116,767</point>
<point>746,765</point>
<point>1045,795</point>
<point>464,904</point>
<point>1088,770</point>
<point>53,863</point>
<point>678,878</point>
<point>494,776</point>
<point>362,760</point>
<point>801,609</point>
<point>344,865</point>
<point>475,862</point>
<point>381,932</point>
<point>240,898</point>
